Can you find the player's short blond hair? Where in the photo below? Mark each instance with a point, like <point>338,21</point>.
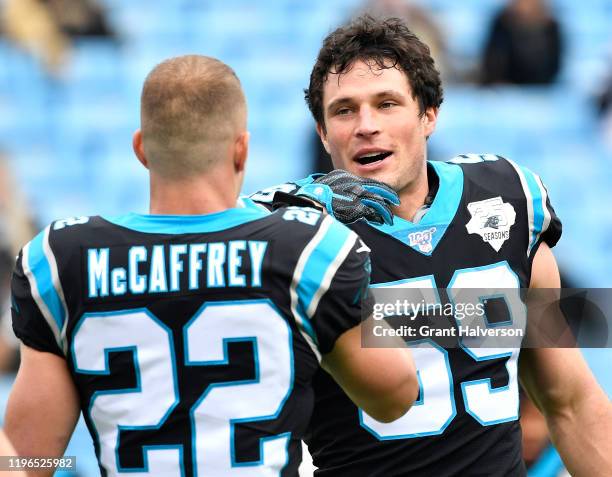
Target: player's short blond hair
<point>192,108</point>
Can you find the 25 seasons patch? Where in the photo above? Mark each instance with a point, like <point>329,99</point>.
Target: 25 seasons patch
<point>491,219</point>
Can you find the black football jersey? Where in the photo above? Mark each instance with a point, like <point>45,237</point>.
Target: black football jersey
<point>482,229</point>
<point>192,340</point>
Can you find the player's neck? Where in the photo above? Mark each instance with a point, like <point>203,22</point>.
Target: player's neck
<point>413,197</point>
<point>199,196</point>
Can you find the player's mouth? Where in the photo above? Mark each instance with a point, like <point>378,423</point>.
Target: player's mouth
<point>372,158</point>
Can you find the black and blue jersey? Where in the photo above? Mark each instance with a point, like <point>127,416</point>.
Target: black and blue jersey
<point>482,229</point>
<point>192,340</point>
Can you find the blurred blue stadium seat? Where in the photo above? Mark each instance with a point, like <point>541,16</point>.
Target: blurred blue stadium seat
<point>95,58</point>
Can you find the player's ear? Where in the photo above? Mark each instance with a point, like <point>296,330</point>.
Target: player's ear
<point>323,135</point>
<point>429,118</point>
<point>138,147</point>
<point>241,151</point>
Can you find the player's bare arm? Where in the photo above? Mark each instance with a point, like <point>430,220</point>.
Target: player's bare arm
<point>43,407</point>
<point>578,413</point>
<point>6,449</point>
<point>363,373</point>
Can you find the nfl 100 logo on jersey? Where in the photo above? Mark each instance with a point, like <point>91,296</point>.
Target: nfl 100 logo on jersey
<point>492,220</point>
<point>422,239</point>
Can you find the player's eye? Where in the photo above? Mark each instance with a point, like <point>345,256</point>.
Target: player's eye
<point>387,105</point>
<point>343,111</point>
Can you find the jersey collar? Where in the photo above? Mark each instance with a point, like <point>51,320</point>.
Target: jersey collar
<point>185,224</point>
<point>423,236</point>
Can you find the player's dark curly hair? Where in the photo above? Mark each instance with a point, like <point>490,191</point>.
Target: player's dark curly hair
<point>388,43</point>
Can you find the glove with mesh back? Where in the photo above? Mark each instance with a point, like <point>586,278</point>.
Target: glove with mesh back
<point>349,197</point>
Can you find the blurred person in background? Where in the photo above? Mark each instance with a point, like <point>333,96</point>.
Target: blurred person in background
<point>46,28</point>
<point>16,227</point>
<point>32,27</point>
<point>19,222</point>
<point>79,18</point>
<point>421,22</point>
<point>524,45</point>
<point>9,346</point>
<point>604,108</point>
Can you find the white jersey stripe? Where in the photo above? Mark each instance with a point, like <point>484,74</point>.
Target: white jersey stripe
<point>529,198</point>
<point>330,273</point>
<point>303,325</point>
<point>42,306</point>
<point>56,284</point>
<point>547,215</point>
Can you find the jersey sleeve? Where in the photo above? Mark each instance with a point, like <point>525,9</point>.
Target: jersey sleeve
<point>37,306</point>
<point>331,280</point>
<point>266,196</point>
<point>543,223</point>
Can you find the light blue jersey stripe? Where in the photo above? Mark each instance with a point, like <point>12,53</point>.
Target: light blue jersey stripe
<point>306,323</point>
<point>535,195</point>
<point>39,265</point>
<point>185,224</point>
<point>320,260</point>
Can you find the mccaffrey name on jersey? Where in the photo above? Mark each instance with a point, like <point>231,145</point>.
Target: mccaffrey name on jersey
<point>142,269</point>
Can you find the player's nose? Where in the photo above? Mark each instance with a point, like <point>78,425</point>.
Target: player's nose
<point>367,123</point>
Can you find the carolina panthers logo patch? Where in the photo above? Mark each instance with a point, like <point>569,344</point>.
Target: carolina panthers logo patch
<point>492,222</point>
<point>491,219</point>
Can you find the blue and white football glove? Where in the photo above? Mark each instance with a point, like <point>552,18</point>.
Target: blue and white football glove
<point>349,197</point>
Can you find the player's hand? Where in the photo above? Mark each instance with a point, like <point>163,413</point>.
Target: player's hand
<point>350,198</point>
